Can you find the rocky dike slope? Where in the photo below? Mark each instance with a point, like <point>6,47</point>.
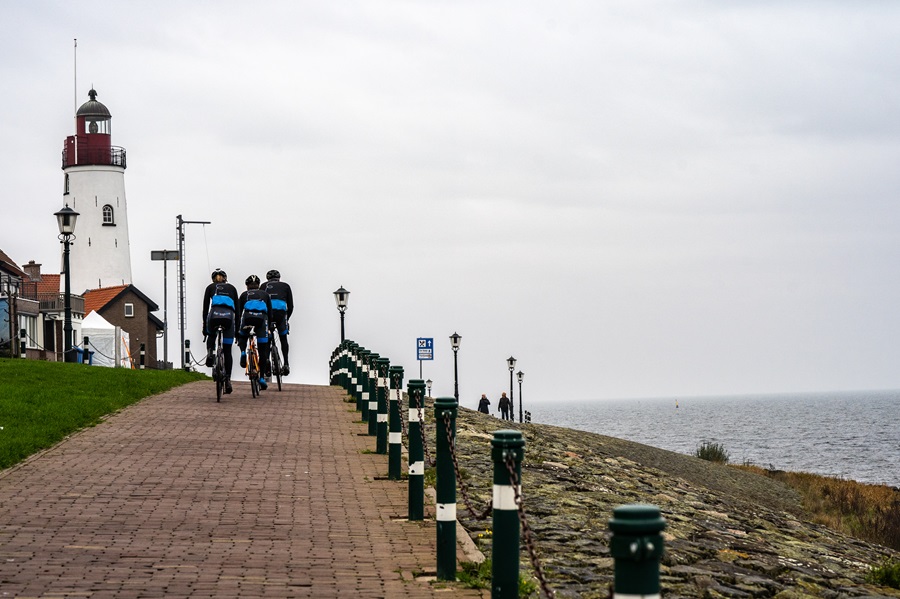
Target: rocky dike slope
<point>730,533</point>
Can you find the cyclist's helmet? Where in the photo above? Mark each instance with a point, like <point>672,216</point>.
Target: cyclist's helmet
<point>273,274</point>
<point>219,272</point>
<point>252,280</point>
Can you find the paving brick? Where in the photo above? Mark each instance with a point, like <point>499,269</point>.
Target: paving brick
<point>181,496</point>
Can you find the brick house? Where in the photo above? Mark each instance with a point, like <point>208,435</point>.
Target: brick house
<point>127,307</point>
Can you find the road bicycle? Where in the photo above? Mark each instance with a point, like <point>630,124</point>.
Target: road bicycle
<point>252,368</point>
<point>275,355</point>
<point>218,373</point>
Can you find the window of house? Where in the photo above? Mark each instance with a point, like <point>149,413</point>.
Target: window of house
<point>108,215</point>
<point>129,310</point>
<point>29,323</point>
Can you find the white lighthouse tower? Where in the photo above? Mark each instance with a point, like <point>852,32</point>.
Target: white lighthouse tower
<point>94,187</point>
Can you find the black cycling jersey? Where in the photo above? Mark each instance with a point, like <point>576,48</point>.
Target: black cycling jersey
<point>282,298</point>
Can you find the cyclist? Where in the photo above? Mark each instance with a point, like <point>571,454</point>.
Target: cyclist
<point>255,309</point>
<point>219,306</point>
<point>282,308</point>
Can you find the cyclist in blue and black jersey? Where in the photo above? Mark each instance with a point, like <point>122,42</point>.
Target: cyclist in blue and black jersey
<point>219,309</point>
<point>255,309</point>
<point>282,308</point>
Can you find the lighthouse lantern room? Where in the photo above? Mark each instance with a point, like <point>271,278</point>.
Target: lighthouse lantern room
<point>94,185</point>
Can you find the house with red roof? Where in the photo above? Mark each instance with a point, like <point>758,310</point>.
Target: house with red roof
<point>128,307</point>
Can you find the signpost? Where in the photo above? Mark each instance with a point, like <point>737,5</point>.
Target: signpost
<point>165,256</point>
<point>424,350</point>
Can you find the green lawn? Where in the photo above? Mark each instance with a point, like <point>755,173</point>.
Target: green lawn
<point>42,402</point>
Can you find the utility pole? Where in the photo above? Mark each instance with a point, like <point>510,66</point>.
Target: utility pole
<point>180,223</point>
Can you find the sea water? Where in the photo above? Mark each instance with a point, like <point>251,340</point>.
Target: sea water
<point>852,435</point>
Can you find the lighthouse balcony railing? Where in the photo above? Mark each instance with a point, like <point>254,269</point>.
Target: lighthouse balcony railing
<point>112,156</point>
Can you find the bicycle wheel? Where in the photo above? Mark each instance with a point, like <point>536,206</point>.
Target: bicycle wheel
<point>275,358</point>
<point>253,371</point>
<point>219,369</point>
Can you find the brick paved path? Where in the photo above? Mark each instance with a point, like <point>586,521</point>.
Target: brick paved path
<point>179,496</point>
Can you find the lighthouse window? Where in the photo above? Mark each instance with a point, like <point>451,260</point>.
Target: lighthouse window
<point>66,189</point>
<point>108,215</point>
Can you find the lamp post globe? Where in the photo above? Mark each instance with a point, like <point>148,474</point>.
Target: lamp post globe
<point>65,219</point>
<point>428,384</point>
<point>520,375</point>
<point>454,345</point>
<point>341,297</point>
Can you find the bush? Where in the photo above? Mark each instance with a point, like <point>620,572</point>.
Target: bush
<point>712,452</point>
<point>887,574</point>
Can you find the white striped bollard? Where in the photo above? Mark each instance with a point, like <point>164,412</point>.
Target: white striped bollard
<point>395,426</point>
<point>445,487</point>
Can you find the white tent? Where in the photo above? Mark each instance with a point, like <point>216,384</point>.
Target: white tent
<point>108,342</point>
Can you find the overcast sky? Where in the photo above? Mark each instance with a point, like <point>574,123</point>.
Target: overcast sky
<point>632,198</point>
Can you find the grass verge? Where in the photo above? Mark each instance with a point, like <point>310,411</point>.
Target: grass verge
<point>42,402</point>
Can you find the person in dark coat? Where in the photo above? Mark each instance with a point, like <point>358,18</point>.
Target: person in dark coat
<point>504,405</point>
<point>484,404</point>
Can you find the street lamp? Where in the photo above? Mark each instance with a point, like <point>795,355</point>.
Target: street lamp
<point>520,375</point>
<point>454,344</point>
<point>511,362</point>
<point>65,218</point>
<point>340,297</point>
<point>428,384</point>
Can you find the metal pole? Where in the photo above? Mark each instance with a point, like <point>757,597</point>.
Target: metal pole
<point>67,324</point>
<point>445,488</point>
<point>381,423</point>
<point>342,325</point>
<point>506,445</point>
<point>415,391</point>
<point>395,430</point>
<point>520,402</point>
<point>512,401</point>
<point>185,361</point>
<point>165,315</point>
<point>180,241</point>
<point>455,377</point>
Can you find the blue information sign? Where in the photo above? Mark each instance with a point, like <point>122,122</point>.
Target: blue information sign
<point>425,348</point>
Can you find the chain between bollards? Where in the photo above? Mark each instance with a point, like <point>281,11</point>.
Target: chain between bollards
<point>459,481</point>
<point>526,530</point>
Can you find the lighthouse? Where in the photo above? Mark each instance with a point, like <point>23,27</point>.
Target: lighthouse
<point>94,186</point>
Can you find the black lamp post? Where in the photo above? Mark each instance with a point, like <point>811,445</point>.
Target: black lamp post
<point>454,344</point>
<point>65,218</point>
<point>428,384</point>
<point>340,297</point>
<point>520,375</point>
<point>511,362</point>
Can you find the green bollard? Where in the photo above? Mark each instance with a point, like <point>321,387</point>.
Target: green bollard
<point>416,392</point>
<point>505,547</point>
<point>360,360</point>
<point>381,425</point>
<point>395,426</point>
<point>637,547</point>
<point>445,488</point>
<point>351,369</point>
<point>368,386</point>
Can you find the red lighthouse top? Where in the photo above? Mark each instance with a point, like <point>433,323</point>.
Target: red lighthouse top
<point>92,142</point>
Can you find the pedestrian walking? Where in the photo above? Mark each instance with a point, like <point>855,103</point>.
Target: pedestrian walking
<point>504,405</point>
<point>484,404</point>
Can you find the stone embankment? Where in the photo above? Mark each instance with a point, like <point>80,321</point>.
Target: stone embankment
<point>730,533</point>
